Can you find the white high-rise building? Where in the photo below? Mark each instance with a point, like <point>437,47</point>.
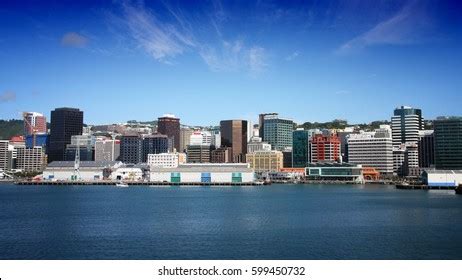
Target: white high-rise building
<point>372,149</point>
<point>4,155</point>
<point>107,150</point>
<point>216,139</point>
<point>406,124</point>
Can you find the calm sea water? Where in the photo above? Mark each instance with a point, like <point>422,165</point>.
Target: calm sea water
<point>276,222</point>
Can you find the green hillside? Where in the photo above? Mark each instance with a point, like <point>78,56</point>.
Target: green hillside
<point>10,128</point>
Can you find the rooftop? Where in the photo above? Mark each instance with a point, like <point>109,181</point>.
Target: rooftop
<point>333,164</point>
<point>219,167</point>
<point>443,171</point>
<point>83,164</point>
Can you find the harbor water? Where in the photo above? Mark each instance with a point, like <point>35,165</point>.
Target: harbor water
<point>308,222</point>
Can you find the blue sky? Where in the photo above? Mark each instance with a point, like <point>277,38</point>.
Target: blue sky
<point>210,60</point>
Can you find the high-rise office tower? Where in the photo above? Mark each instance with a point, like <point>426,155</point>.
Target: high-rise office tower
<point>372,149</point>
<point>406,124</point>
<point>221,155</point>
<point>198,153</point>
<point>426,148</point>
<point>155,144</point>
<point>234,136</point>
<point>131,149</point>
<point>65,123</point>
<point>448,143</point>
<point>278,132</point>
<point>301,148</point>
<point>185,138</point>
<point>34,123</point>
<point>170,125</point>
<point>261,123</point>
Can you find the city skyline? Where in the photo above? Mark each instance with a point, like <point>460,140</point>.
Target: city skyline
<point>308,60</point>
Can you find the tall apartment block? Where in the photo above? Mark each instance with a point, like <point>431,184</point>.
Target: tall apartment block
<point>30,159</point>
<point>34,123</point>
<point>4,156</point>
<point>154,144</point>
<point>107,150</point>
<point>131,149</point>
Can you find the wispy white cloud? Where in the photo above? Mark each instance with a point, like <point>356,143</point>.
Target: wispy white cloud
<point>7,96</point>
<point>74,39</point>
<point>235,56</point>
<point>405,27</point>
<point>292,56</point>
<point>160,40</point>
<point>257,60</point>
<point>166,39</point>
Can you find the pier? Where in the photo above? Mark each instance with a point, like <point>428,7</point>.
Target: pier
<point>112,183</point>
<point>411,187</point>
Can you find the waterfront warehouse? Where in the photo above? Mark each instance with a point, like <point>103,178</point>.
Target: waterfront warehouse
<point>204,173</point>
<point>88,171</point>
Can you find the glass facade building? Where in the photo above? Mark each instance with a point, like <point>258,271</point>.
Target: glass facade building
<point>278,132</point>
<point>234,136</point>
<point>301,149</point>
<point>65,123</point>
<point>426,149</point>
<point>448,143</point>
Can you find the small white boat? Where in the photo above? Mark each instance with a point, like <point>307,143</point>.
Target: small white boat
<point>122,185</point>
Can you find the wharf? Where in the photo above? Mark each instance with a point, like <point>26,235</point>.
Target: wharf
<point>111,183</point>
<point>411,187</point>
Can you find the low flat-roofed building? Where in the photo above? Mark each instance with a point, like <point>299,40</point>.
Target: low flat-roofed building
<point>331,171</point>
<point>130,172</point>
<point>89,170</point>
<point>166,160</point>
<point>204,173</point>
<point>442,178</point>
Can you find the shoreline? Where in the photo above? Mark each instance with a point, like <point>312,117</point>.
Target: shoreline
<point>398,186</point>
